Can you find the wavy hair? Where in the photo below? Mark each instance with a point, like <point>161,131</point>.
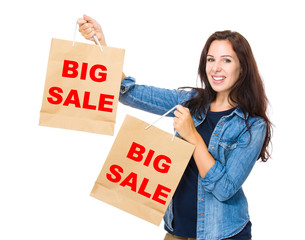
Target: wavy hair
<point>248,92</point>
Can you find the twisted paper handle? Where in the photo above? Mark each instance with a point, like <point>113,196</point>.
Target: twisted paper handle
<point>161,118</point>
<point>95,38</point>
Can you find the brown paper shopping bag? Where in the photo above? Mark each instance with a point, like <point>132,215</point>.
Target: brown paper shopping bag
<point>82,87</point>
<point>142,170</point>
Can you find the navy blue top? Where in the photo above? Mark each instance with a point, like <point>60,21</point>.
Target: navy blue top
<point>185,197</point>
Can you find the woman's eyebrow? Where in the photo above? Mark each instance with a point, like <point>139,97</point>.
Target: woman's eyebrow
<point>209,55</point>
<point>226,56</point>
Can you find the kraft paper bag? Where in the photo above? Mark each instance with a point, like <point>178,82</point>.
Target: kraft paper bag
<point>142,170</point>
<point>82,87</point>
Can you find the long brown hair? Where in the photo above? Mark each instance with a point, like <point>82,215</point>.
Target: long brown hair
<point>248,92</point>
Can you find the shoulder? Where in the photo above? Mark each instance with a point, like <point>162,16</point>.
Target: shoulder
<point>247,119</point>
<point>248,128</point>
<point>186,94</point>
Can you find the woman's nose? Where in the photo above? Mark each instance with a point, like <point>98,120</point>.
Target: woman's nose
<point>216,67</point>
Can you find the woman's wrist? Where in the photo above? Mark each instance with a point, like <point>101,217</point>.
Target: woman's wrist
<point>195,139</point>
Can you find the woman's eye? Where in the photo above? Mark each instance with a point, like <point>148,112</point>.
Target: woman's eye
<point>210,59</point>
<point>227,60</point>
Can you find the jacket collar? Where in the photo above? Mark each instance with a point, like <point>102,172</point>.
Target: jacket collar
<point>240,113</point>
<point>237,111</point>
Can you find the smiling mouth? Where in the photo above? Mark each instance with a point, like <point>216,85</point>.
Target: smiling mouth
<point>218,79</point>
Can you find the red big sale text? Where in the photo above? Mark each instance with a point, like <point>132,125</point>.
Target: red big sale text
<point>72,70</point>
<point>160,163</point>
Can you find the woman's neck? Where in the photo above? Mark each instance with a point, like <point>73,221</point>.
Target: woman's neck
<point>221,103</point>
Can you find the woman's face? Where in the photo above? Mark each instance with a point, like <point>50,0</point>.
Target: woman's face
<point>222,66</point>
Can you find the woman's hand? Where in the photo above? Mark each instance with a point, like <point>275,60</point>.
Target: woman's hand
<point>89,27</point>
<point>184,124</point>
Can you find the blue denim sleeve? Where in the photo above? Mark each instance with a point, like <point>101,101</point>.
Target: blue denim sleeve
<point>223,181</point>
<point>149,98</point>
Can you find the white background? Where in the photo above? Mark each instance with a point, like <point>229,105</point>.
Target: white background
<point>46,174</point>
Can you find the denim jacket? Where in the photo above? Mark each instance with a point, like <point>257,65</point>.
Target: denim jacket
<point>221,202</point>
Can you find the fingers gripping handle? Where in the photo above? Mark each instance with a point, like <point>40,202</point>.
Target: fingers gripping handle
<point>94,37</point>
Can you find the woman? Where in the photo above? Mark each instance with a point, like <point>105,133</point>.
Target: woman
<point>226,121</point>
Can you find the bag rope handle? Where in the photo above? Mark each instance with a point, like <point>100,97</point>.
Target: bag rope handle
<point>161,118</point>
<point>94,37</point>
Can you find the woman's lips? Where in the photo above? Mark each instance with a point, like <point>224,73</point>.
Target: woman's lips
<point>218,79</point>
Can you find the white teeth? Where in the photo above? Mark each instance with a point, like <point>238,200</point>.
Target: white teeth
<point>218,78</point>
